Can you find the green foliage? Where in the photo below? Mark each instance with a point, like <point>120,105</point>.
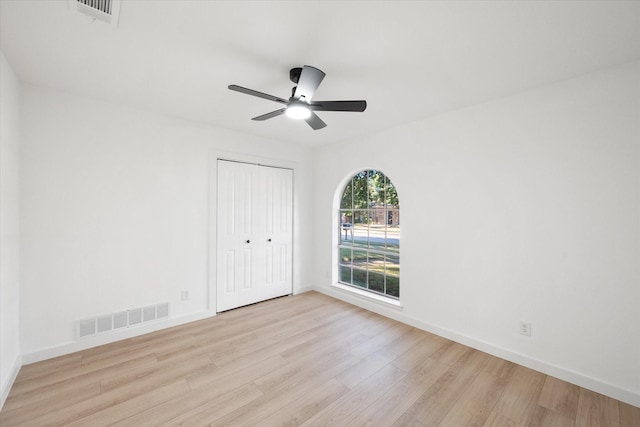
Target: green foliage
<point>345,256</point>
<point>391,195</point>
<point>393,286</point>
<point>376,282</point>
<point>359,278</point>
<point>369,188</point>
<point>345,274</point>
<point>347,196</point>
<point>360,191</point>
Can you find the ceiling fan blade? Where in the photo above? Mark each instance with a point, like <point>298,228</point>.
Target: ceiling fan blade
<point>315,122</point>
<point>258,94</point>
<point>310,79</point>
<point>357,106</point>
<point>270,115</point>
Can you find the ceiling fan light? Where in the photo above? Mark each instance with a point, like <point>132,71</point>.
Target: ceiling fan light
<point>298,112</point>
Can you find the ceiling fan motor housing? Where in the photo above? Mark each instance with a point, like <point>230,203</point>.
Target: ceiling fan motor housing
<point>294,74</point>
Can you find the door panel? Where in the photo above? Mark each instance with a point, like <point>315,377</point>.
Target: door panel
<point>254,238</point>
<point>268,273</point>
<point>283,264</point>
<point>246,265</point>
<point>277,191</point>
<point>228,279</point>
<point>236,198</point>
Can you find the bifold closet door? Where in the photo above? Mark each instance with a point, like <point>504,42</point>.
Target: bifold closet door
<point>254,233</point>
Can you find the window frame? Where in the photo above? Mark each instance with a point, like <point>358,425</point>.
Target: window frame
<point>379,217</point>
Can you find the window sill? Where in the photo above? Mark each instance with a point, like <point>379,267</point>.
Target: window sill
<point>388,302</point>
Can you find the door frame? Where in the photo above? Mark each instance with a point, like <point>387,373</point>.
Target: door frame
<point>212,252</point>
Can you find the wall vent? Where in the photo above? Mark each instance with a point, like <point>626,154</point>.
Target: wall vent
<point>105,324</point>
<point>101,10</point>
<point>135,316</point>
<point>87,327</point>
<point>162,310</point>
<point>120,320</point>
<point>123,319</point>
<point>149,313</point>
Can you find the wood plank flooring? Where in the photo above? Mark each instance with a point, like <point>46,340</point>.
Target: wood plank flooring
<point>304,360</point>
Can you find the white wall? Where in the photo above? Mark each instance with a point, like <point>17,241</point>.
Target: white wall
<point>525,208</point>
<point>9,229</point>
<point>115,212</point>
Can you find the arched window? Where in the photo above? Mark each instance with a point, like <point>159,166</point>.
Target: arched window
<point>369,228</point>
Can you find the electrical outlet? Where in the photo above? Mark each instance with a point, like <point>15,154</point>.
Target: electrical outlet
<point>184,295</point>
<point>525,329</point>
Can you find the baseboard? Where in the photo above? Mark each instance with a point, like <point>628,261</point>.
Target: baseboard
<point>565,374</point>
<point>4,391</point>
<point>303,289</point>
<point>72,347</point>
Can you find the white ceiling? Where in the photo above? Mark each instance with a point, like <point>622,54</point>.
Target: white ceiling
<point>409,60</point>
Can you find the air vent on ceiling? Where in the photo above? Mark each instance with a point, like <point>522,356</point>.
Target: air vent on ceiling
<point>103,6</point>
<point>102,10</point>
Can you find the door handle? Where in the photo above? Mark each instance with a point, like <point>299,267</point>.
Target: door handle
<point>268,240</point>
<point>248,241</point>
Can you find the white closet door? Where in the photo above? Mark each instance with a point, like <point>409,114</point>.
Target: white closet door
<point>254,234</point>
<point>276,229</point>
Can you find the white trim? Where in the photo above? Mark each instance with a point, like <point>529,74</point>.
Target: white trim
<point>4,393</point>
<point>86,343</point>
<point>250,158</point>
<point>214,156</point>
<point>303,289</point>
<point>628,396</point>
<point>365,295</point>
<point>336,246</point>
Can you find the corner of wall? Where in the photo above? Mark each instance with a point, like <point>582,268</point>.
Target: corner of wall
<point>10,357</point>
<point>6,387</point>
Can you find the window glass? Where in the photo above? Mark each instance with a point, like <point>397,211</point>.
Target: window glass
<point>369,242</point>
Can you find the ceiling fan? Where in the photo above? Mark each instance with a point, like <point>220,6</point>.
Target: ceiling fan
<point>300,105</point>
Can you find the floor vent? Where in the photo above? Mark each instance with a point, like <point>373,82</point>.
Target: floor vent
<point>123,319</point>
<point>101,10</point>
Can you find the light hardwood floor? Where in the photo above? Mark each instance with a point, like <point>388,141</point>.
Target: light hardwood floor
<point>302,360</point>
